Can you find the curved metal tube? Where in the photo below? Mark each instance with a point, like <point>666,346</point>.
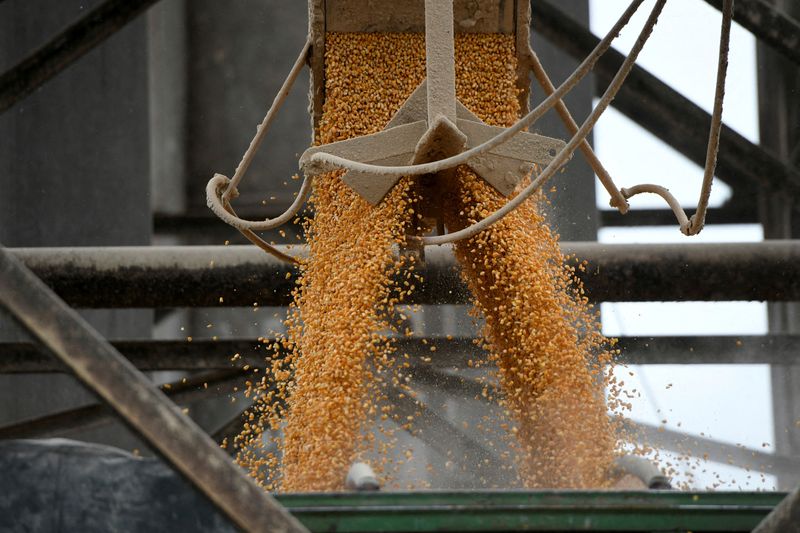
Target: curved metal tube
<point>664,193</point>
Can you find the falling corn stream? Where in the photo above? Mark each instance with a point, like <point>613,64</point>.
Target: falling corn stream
<point>324,405</point>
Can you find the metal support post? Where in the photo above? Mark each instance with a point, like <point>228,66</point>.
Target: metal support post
<point>779,113</point>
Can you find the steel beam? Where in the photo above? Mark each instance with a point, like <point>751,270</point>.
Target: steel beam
<point>768,24</point>
<point>143,407</point>
<point>146,355</point>
<point>667,114</point>
<point>706,448</point>
<point>665,217</point>
<point>711,350</point>
<point>207,354</point>
<point>67,47</point>
<point>230,276</point>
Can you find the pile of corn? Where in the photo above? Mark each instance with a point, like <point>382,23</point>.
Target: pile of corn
<point>323,402</point>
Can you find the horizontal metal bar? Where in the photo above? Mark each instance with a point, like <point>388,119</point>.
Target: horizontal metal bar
<point>146,355</point>
<point>712,350</point>
<point>666,113</point>
<point>768,24</point>
<point>207,354</point>
<point>202,221</point>
<point>59,424</point>
<point>220,276</point>
<point>665,217</point>
<point>67,47</point>
<point>139,403</point>
<point>183,276</point>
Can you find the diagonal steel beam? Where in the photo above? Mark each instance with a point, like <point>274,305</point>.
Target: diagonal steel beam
<point>666,113</point>
<point>710,449</point>
<point>768,24</point>
<point>67,47</point>
<point>143,407</point>
<point>653,436</point>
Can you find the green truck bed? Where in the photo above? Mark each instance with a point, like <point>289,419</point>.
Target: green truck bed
<point>532,510</point>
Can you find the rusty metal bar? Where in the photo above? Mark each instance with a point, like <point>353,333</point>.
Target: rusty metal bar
<point>67,47</point>
<point>229,276</point>
<point>207,354</point>
<point>143,407</point>
<point>666,113</point>
<point>768,24</point>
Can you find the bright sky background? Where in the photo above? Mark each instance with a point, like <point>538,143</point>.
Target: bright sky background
<point>731,403</point>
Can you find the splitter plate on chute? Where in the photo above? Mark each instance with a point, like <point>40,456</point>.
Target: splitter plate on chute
<point>432,124</point>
